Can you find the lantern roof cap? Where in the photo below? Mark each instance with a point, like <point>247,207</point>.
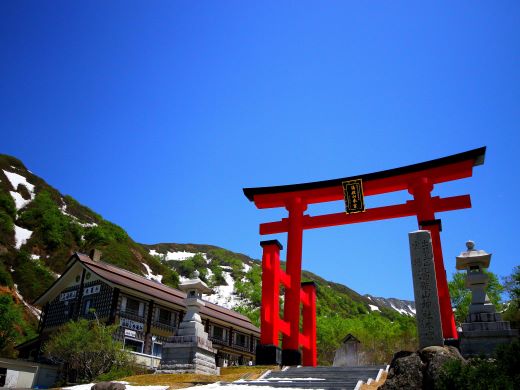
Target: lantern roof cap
<point>472,257</point>
<point>195,284</point>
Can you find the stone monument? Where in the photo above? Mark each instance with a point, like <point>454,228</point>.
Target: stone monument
<point>484,329</point>
<point>190,350</point>
<point>428,315</point>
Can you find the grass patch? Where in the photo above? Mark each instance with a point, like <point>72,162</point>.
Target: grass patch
<point>181,381</point>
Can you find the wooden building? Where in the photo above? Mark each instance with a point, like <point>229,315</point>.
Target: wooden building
<point>146,311</point>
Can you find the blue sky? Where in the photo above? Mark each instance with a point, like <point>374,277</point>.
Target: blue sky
<point>157,114</point>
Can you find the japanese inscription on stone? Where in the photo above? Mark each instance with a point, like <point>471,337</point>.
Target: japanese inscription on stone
<point>425,289</point>
<point>353,193</point>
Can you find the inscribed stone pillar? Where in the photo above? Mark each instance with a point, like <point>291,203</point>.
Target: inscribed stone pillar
<point>425,289</point>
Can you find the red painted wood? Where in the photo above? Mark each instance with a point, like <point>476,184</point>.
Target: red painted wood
<point>374,214</point>
<point>309,346</point>
<point>270,309</point>
<point>296,207</point>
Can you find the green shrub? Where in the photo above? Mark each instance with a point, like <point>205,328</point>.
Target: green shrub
<point>44,216</point>
<point>501,372</point>
<point>5,276</point>
<point>7,204</point>
<point>32,277</point>
<point>88,349</point>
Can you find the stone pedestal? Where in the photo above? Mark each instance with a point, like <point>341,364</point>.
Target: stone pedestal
<point>484,329</point>
<point>190,350</point>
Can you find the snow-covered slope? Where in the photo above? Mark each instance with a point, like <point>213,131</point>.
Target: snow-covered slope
<point>400,305</point>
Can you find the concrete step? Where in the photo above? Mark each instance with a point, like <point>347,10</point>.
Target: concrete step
<point>317,377</point>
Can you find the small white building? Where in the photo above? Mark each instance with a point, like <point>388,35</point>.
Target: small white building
<point>25,374</point>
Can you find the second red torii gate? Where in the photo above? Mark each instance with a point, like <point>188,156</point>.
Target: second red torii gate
<point>418,179</point>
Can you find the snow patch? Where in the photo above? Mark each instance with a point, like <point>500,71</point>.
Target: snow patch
<point>412,309</point>
<point>16,179</point>
<point>35,257</point>
<point>177,256</point>
<point>35,311</point>
<point>247,267</point>
<point>21,236</point>
<point>374,307</point>
<point>63,209</point>
<point>151,275</point>
<point>224,295</point>
<point>238,386</point>
<point>19,201</point>
<point>128,387</point>
<point>401,311</point>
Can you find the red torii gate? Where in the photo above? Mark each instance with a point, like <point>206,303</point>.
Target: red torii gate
<point>418,180</point>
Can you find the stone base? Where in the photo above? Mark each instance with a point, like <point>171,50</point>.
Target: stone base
<point>291,357</point>
<point>268,355</point>
<point>187,358</point>
<point>485,340</point>
<point>483,317</point>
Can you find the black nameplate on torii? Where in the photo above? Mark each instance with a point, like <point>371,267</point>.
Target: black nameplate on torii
<point>353,194</point>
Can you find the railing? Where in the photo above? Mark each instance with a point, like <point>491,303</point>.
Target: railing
<point>131,315</point>
<point>219,340</point>
<point>241,347</point>
<point>167,327</point>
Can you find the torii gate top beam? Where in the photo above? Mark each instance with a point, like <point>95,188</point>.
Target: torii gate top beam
<point>454,167</point>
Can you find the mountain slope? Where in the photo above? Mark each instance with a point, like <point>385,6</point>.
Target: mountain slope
<point>40,228</point>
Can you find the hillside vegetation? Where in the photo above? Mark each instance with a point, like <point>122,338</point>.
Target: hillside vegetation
<point>40,228</point>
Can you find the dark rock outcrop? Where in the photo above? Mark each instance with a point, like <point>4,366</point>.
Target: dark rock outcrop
<point>108,386</point>
<point>418,370</point>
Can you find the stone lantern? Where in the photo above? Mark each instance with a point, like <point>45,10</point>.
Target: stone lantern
<point>474,261</point>
<point>484,329</point>
<point>190,350</point>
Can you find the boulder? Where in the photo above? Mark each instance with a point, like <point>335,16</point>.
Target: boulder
<point>108,386</point>
<point>434,357</point>
<point>406,372</point>
<point>418,370</point>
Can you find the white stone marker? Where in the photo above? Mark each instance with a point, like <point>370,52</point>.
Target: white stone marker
<point>425,289</point>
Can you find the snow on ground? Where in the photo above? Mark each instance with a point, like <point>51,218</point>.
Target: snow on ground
<point>35,257</point>
<point>16,179</point>
<point>36,312</point>
<point>291,379</point>
<point>247,267</point>
<point>224,295</point>
<point>19,201</point>
<point>63,210</point>
<point>374,307</point>
<point>88,386</point>
<point>237,386</point>
<point>177,256</point>
<point>412,309</point>
<point>401,311</point>
<point>151,275</point>
<point>21,236</point>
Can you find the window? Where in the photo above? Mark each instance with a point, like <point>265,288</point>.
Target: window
<point>219,333</point>
<point>88,304</point>
<point>240,339</point>
<point>165,316</point>
<point>134,345</point>
<point>157,349</point>
<point>132,306</point>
